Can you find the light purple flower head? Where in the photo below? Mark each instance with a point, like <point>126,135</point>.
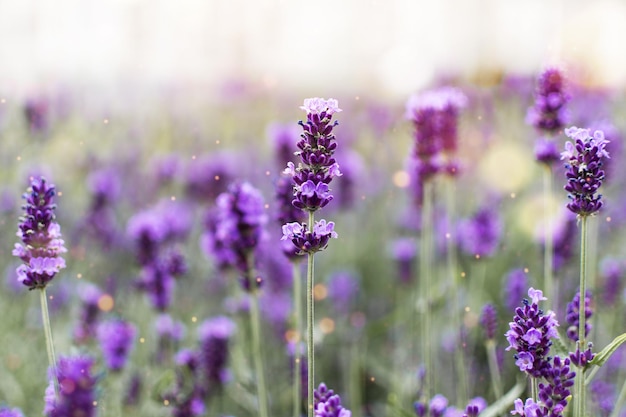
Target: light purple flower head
<point>42,245</point>
<point>310,242</point>
<point>167,327</point>
<point>10,412</point>
<point>480,235</point>
<point>318,105</point>
<point>214,335</point>
<point>116,339</point>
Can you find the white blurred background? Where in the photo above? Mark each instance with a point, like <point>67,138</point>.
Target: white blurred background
<point>392,47</point>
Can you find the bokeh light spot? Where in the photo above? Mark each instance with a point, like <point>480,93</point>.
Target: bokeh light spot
<point>506,167</point>
<point>106,302</point>
<point>401,179</point>
<point>327,325</point>
<point>320,292</point>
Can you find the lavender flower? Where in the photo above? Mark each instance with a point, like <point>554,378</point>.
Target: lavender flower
<point>283,138</point>
<point>530,333</point>
<point>546,151</point>
<point>572,315</point>
<point>76,389</point>
<point>489,321</point>
<point>169,332</point>
<point>549,112</point>
<point>307,241</point>
<point>343,287</point>
<point>41,236</point>
<point>328,404</point>
<point>404,251</point>
<point>553,393</point>
<point>480,235</point>
<point>37,114</point>
<point>435,408</point>
<point>10,412</point>
<point>317,146</point>
<point>214,335</point>
<point>209,175</point>
<point>185,397</point>
<point>584,169</point>
<point>238,226</point>
<point>612,272</point>
<point>133,390</point>
<point>158,283</point>
<point>116,339</point>
<point>564,236</point>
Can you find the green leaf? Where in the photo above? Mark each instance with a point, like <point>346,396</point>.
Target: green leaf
<point>606,353</point>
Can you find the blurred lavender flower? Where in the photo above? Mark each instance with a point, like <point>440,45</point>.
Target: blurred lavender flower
<point>353,170</point>
<point>133,390</point>
<point>10,412</point>
<point>564,237</point>
<point>169,332</point>
<point>546,151</point>
<point>209,175</point>
<point>404,251</point>
<point>158,284</point>
<point>584,169</point>
<point>77,389</point>
<point>185,397</point>
<point>435,408</point>
<point>116,339</point>
<point>489,321</point>
<point>214,336</point>
<point>603,394</point>
<point>86,328</point>
<point>479,236</point>
<point>572,317</point>
<point>41,236</point>
<point>236,228</point>
<point>516,284</point>
<point>99,222</point>
<point>549,114</point>
<point>36,114</point>
<point>328,404</point>
<point>530,333</point>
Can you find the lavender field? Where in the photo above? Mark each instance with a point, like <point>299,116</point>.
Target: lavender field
<point>177,282</point>
<point>330,209</point>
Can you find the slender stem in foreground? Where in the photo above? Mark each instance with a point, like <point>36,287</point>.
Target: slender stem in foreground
<point>310,312</point>
<point>45,317</point>
<point>426,282</point>
<point>455,284</point>
<point>255,322</point>
<point>496,381</point>
<point>297,323</point>
<point>548,262</point>
<point>579,410</point>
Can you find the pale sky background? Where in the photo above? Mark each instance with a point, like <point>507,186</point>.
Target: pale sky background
<point>391,46</point>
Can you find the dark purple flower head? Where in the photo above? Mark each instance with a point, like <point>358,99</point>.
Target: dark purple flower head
<point>584,169</point>
<point>572,317</point>
<point>77,389</point>
<point>133,390</point>
<point>435,408</point>
<point>209,175</point>
<point>116,339</point>
<point>214,336</point>
<point>489,321</point>
<point>317,165</point>
<point>41,246</point>
<point>286,212</point>
<point>582,358</point>
<point>479,236</point>
<point>530,333</point>
<point>328,404</point>
<point>548,114</point>
<point>37,114</point>
<point>236,227</point>
<point>307,241</point>
<point>158,284</point>
<point>10,412</point>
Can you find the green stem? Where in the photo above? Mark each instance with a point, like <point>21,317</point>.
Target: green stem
<point>297,357</point>
<point>451,255</point>
<point>355,378</point>
<point>426,281</point>
<point>534,388</point>
<point>620,401</point>
<point>310,312</point>
<point>496,381</point>
<point>548,263</point>
<point>255,322</point>
<point>580,378</point>
<point>45,316</point>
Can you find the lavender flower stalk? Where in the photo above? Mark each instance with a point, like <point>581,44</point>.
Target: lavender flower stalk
<point>311,191</point>
<point>40,250</point>
<point>490,324</point>
<point>584,175</point>
<point>116,339</point>
<point>328,404</point>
